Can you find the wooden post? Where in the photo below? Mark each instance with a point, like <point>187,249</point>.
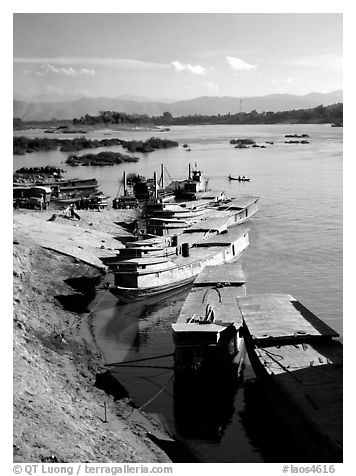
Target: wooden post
<point>162,175</point>
<point>189,172</point>
<point>155,185</point>
<point>125,185</point>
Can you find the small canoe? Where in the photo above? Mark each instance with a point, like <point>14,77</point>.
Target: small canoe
<point>239,179</point>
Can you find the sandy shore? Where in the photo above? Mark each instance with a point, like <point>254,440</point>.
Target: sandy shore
<point>58,411</point>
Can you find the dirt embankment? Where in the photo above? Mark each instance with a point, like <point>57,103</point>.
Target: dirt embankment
<point>59,413</point>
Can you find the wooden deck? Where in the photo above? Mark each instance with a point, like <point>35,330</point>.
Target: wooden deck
<point>218,286</point>
<point>229,274</point>
<point>224,239</point>
<point>241,202</point>
<point>294,354</point>
<point>274,318</point>
<point>206,332</point>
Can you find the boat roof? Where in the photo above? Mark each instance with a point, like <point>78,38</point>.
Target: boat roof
<point>197,328</point>
<point>163,220</point>
<point>146,260</point>
<point>226,238</point>
<point>209,195</point>
<point>192,238</point>
<point>149,242</point>
<point>272,318</point>
<point>196,255</point>
<point>240,202</point>
<point>209,223</point>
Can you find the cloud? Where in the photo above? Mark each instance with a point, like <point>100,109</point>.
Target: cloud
<point>54,89</point>
<point>284,81</point>
<point>197,69</point>
<point>69,71</point>
<point>122,63</point>
<point>326,61</point>
<point>49,68</point>
<point>238,65</point>
<point>211,87</point>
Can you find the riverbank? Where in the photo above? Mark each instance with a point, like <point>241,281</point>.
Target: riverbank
<point>59,410</point>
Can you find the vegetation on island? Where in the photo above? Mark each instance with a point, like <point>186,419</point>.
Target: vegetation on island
<point>100,159</point>
<point>23,145</point>
<point>149,145</point>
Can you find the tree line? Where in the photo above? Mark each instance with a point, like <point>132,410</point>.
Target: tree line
<point>318,115</point>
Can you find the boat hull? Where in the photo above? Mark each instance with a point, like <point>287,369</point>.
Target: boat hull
<point>128,295</point>
<point>317,447</point>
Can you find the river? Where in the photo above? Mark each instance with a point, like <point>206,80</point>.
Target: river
<point>295,247</point>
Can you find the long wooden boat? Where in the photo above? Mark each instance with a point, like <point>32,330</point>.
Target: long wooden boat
<point>66,185</point>
<point>139,278</point>
<point>206,332</point>
<point>298,361</point>
<point>230,212</point>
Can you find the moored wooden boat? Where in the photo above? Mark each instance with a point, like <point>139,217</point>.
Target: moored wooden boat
<point>67,185</point>
<point>206,332</point>
<point>298,361</point>
<point>228,212</point>
<point>138,278</point>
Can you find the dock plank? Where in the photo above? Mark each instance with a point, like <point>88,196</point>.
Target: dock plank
<point>277,317</point>
<point>230,274</point>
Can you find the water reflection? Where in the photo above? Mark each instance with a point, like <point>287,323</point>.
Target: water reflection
<point>203,415</point>
<point>203,407</point>
<point>265,429</point>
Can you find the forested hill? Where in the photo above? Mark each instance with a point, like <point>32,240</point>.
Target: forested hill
<point>317,115</point>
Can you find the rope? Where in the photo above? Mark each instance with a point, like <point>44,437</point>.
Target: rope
<point>138,360</point>
<point>156,395</point>
<point>216,289</point>
<point>168,173</point>
<point>280,364</point>
<point>149,366</point>
<point>152,398</point>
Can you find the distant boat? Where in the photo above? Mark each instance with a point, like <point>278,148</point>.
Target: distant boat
<point>239,179</point>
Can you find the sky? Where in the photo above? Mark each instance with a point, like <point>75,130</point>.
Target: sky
<point>176,56</point>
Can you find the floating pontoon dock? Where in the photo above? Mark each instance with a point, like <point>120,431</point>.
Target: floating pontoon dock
<point>299,362</point>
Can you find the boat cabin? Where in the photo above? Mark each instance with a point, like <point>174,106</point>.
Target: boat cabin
<point>32,197</point>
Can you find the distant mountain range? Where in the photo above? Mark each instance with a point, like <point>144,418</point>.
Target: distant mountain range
<point>46,108</point>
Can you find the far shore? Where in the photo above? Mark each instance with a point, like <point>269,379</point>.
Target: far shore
<point>73,128</point>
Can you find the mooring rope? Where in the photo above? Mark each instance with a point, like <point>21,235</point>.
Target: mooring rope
<point>138,360</point>
<point>156,395</point>
<point>152,398</point>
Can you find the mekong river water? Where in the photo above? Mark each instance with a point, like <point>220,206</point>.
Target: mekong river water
<point>295,248</point>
